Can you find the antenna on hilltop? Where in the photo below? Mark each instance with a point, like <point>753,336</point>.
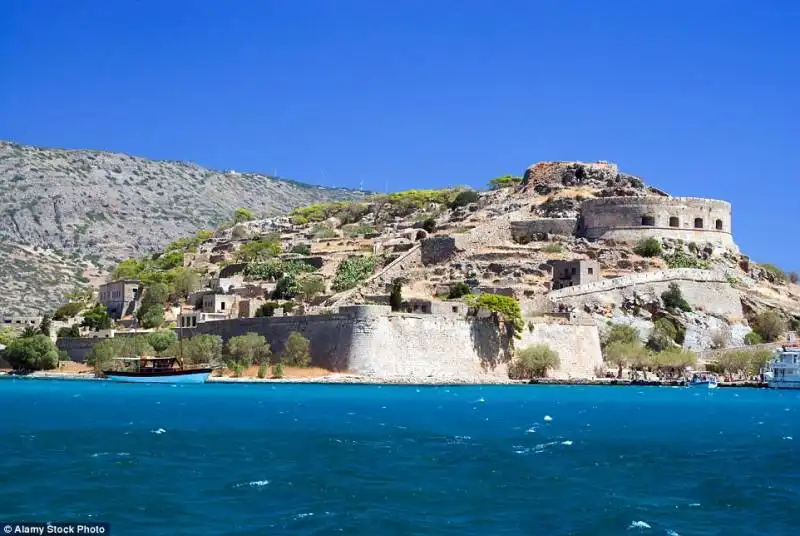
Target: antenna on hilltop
<point>361,185</point>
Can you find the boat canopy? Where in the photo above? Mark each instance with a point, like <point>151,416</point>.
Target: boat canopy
<point>143,358</point>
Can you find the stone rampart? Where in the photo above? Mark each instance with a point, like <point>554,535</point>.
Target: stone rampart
<point>576,343</point>
<point>705,290</point>
<point>629,219</point>
<point>529,230</point>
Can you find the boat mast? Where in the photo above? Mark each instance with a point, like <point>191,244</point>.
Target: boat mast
<point>180,337</point>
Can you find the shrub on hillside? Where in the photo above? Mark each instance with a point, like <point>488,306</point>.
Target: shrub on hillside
<point>553,247</point>
<point>458,290</point>
<point>309,287</point>
<point>679,259</point>
<point>429,224</point>
<point>465,198</point>
<point>96,318</point>
<point>71,331</point>
<point>352,271</point>
<point>242,215</point>
<point>506,181</point>
<point>770,325</point>
<point>753,338</point>
<point>648,247</point>
<point>68,310</point>
<point>777,274</point>
<point>673,298</point>
<point>301,249</point>
<point>286,288</point>
<point>534,362</point>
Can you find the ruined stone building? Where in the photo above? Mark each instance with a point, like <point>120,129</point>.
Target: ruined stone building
<point>120,297</point>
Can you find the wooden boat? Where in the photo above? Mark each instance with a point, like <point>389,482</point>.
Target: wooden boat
<point>704,379</point>
<point>155,370</point>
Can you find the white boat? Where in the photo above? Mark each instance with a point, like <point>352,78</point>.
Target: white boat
<point>705,380</point>
<point>783,371</point>
<point>155,370</point>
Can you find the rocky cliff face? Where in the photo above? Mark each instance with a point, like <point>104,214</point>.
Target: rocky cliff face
<point>67,216</point>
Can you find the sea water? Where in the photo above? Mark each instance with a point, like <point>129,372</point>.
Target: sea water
<point>343,459</point>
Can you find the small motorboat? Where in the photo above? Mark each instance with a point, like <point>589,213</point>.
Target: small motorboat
<point>705,380</point>
<point>155,370</point>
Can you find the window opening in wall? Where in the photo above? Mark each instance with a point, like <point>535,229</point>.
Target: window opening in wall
<point>591,271</point>
<point>649,221</point>
<point>718,225</point>
<point>698,223</point>
<point>222,306</point>
<point>674,222</point>
<point>455,309</point>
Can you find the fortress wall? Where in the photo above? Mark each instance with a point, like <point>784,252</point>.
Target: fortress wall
<point>620,218</point>
<point>370,340</point>
<point>527,230</point>
<point>329,335</point>
<point>578,346</point>
<point>705,290</point>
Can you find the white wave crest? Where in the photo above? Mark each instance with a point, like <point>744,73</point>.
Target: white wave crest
<point>548,418</point>
<point>638,525</point>
<point>158,431</point>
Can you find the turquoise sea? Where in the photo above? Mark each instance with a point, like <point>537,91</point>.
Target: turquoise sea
<point>343,459</point>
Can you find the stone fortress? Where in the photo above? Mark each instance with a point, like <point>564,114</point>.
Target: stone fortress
<point>628,219</point>
<point>590,213</point>
<point>621,212</point>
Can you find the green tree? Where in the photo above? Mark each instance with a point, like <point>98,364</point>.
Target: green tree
<point>458,290</point>
<point>137,346</point>
<point>29,332</point>
<point>286,287</point>
<point>753,338</point>
<point>505,306</point>
<point>267,309</point>
<point>151,310</point>
<point>673,298</point>
<point>396,295</point>
<point>248,349</point>
<point>151,318</point>
<point>662,336</point>
<point>277,370</point>
<point>297,351</point>
<point>7,335</point>
<point>184,281</point>
<point>260,249</point>
<point>648,247</point>
<point>310,287</point>
<point>46,325</point>
<point>68,310</point>
<point>242,215</point>
<point>429,224</point>
<point>161,341</point>
<point>96,318</point>
<point>770,325</point>
<point>620,333</point>
<point>102,355</point>
<point>534,362</point>
<point>465,198</point>
<point>71,331</point>
<point>127,269</point>
<point>32,353</point>
<point>623,353</point>
<point>202,349</point>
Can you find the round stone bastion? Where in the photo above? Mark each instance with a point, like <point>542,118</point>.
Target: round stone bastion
<point>629,219</point>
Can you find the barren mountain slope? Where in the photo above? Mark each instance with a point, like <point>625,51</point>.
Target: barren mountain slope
<point>68,215</point>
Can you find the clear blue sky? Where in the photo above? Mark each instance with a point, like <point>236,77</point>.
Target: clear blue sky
<point>697,97</point>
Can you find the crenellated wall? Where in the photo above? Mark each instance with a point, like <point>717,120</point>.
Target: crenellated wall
<point>629,219</point>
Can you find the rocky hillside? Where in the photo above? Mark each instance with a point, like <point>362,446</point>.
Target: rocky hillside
<point>67,216</point>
